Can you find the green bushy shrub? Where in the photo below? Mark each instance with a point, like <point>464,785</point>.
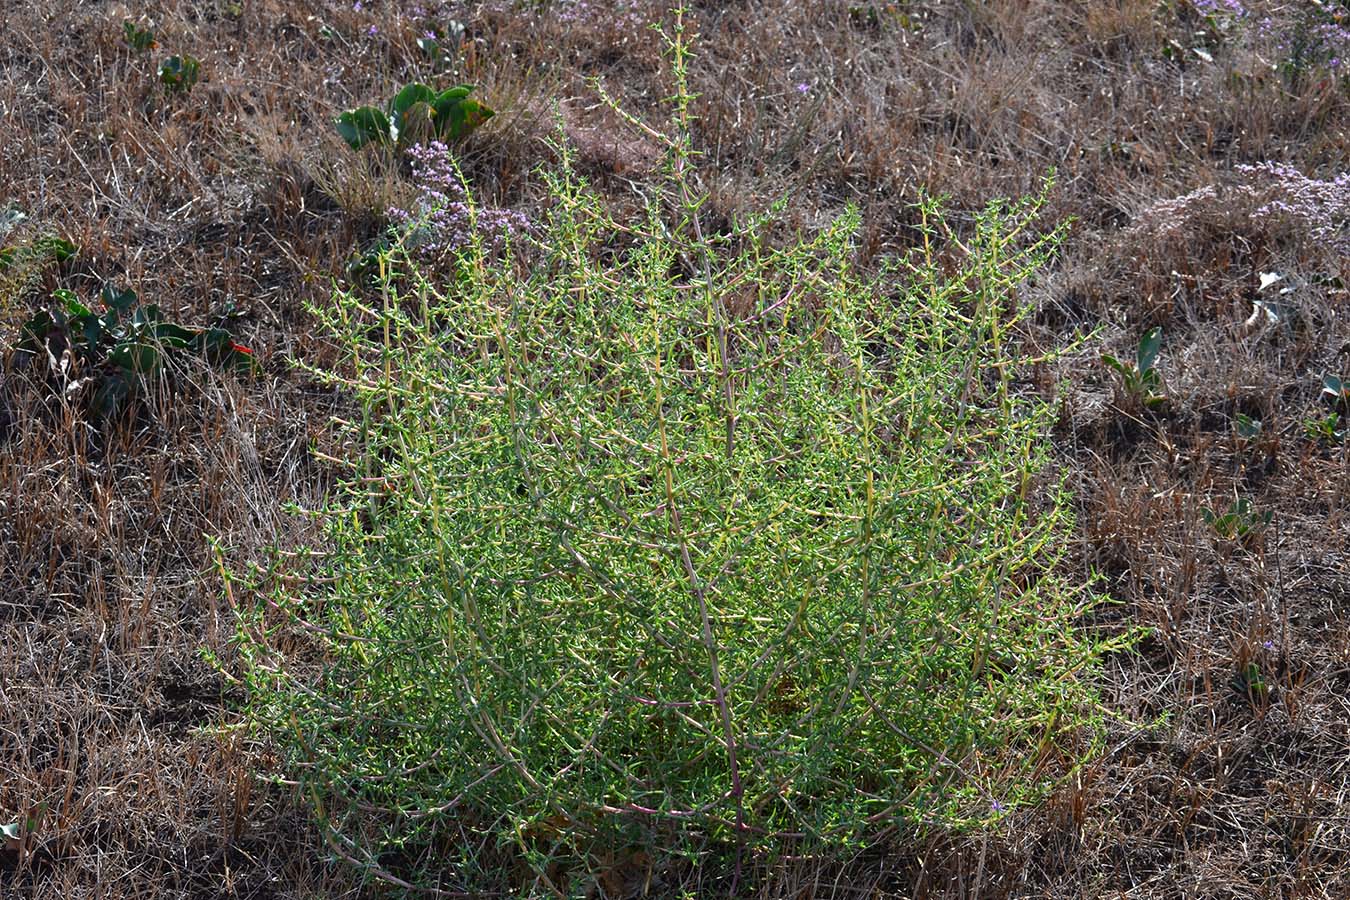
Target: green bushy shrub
<point>680,542</point>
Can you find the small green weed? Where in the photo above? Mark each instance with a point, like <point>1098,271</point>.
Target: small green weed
<point>1247,428</point>
<point>24,259</point>
<point>441,42</point>
<point>416,112</point>
<point>1328,428</point>
<point>1240,521</point>
<point>1336,390</point>
<point>19,836</point>
<point>1251,682</point>
<point>138,38</point>
<point>1140,379</point>
<point>180,73</point>
<point>1324,428</point>
<point>116,350</point>
<point>48,248</point>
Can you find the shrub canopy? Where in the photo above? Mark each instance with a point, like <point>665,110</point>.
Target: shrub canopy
<point>681,541</point>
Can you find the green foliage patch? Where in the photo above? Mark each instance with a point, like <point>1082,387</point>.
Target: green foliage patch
<point>179,74</point>
<point>118,347</point>
<point>138,37</point>
<point>676,542</point>
<point>619,562</point>
<point>415,112</point>
<point>1140,378</point>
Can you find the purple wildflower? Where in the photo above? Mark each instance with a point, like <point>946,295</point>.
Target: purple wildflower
<point>1321,209</point>
<point>444,218</point>
<point>619,15</point>
<point>1300,35</point>
<point>803,88</point>
<point>1267,194</point>
<point>1231,7</point>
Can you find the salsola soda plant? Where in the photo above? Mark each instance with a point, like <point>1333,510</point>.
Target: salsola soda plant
<point>685,543</point>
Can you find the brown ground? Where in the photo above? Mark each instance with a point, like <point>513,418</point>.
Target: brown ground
<point>240,192</point>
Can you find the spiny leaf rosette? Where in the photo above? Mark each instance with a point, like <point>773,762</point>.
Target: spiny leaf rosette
<point>679,542</point>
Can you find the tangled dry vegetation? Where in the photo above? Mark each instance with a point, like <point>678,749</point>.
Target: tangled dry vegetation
<point>1226,770</point>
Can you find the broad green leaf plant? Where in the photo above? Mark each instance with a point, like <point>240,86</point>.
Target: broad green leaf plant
<point>1140,378</point>
<point>120,344</point>
<point>416,112</point>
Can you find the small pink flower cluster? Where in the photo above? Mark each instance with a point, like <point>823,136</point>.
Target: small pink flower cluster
<point>620,15</point>
<point>444,218</point>
<point>1267,194</point>
<point>1301,34</point>
<point>1321,209</point>
<point>1166,217</point>
<point>1210,7</point>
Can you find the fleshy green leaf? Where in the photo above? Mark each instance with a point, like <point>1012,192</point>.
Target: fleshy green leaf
<point>1149,345</point>
<point>58,248</point>
<point>411,94</point>
<point>180,73</point>
<point>405,102</point>
<point>1335,387</point>
<point>362,126</point>
<point>93,331</point>
<point>146,315</point>
<point>72,305</point>
<point>136,37</point>
<point>461,118</point>
<point>172,335</point>
<point>139,358</point>
<point>1247,427</point>
<point>122,301</point>
<point>451,95</point>
<point>33,333</point>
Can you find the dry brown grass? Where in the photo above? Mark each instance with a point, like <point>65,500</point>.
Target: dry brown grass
<point>240,193</point>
